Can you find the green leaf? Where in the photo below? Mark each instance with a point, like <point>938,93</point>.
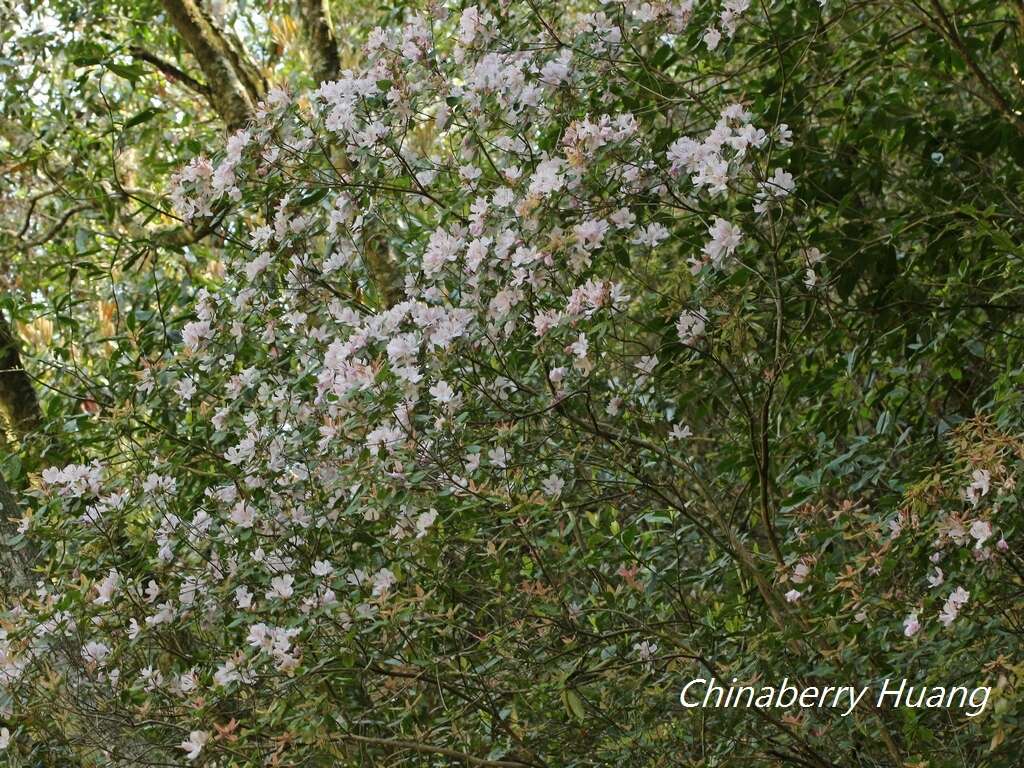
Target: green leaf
<point>142,117</point>
<point>130,72</point>
<point>573,704</point>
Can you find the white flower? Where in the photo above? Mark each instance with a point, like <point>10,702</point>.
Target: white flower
<point>424,521</point>
<point>281,587</point>
<point>257,265</point>
<point>187,681</point>
<point>725,238</point>
<point>5,738</point>
<point>590,233</point>
<point>164,615</point>
<point>321,568</point>
<point>979,486</point>
<point>151,679</point>
<point>194,744</point>
<point>498,457</point>
<point>792,596</point>
<point>623,218</point>
<point>106,588</point>
<point>800,573</point>
<point>956,600</point>
<point>647,364</point>
<point>226,674</point>
<point>243,598</point>
<point>712,38</point>
<point>95,653</point>
<point>784,135</point>
<point>193,333</point>
<point>243,515</point>
<point>260,636</point>
<point>781,184</point>
<point>383,580</point>
<point>556,71</point>
<point>911,625</point>
<point>646,650</point>
<point>680,431</point>
<point>691,325</point>
<point>936,579</point>
<point>580,347</point>
<point>547,177</point>
<point>441,248</point>
<point>553,486</point>
<point>651,235</point>
<point>442,392</point>
<point>981,531</point>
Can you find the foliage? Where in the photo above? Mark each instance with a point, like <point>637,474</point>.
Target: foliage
<point>545,359</point>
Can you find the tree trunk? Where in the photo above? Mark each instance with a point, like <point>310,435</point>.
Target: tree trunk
<point>15,574</point>
<point>234,83</point>
<point>18,399</point>
<point>323,45</point>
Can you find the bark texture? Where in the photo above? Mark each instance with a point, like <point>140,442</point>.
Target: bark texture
<point>21,409</point>
<point>323,45</point>
<point>18,399</point>
<point>12,563</point>
<point>234,83</point>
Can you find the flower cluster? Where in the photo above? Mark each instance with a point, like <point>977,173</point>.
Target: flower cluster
<point>452,279</point>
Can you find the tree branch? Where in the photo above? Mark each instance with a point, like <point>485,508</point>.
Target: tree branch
<point>995,97</point>
<point>48,234</point>
<point>233,90</point>
<point>171,71</point>
<point>416,746</point>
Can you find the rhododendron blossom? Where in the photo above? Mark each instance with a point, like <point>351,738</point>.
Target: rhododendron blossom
<point>459,407</point>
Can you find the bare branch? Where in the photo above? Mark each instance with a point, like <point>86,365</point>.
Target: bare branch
<point>171,71</point>
<point>49,234</point>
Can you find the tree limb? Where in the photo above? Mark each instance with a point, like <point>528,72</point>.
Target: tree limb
<point>171,71</point>
<point>48,234</point>
<point>234,91</point>
<point>993,95</point>
<point>416,746</point>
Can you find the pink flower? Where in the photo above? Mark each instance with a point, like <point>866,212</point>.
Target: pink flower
<point>981,531</point>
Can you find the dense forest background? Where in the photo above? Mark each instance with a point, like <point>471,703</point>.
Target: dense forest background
<point>853,409</point>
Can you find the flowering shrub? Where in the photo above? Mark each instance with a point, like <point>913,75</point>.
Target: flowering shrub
<point>483,442</point>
